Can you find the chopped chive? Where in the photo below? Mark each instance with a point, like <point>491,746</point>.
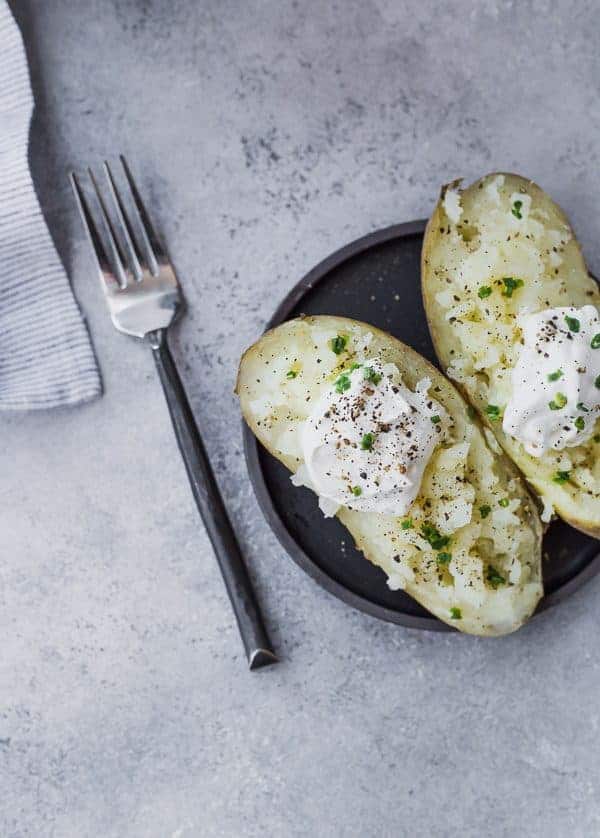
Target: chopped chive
<point>597,382</point>
<point>485,510</point>
<point>595,344</point>
<point>596,437</point>
<point>558,402</point>
<point>494,578</point>
<point>356,491</point>
<point>581,406</point>
<point>554,376</point>
<point>343,383</point>
<point>580,423</point>
<point>493,412</point>
<point>516,209</point>
<point>433,537</point>
<point>354,367</point>
<point>291,374</point>
<point>371,375</point>
<point>561,477</point>
<point>435,419</point>
<point>407,524</point>
<point>573,323</point>
<point>367,441</point>
<point>444,558</point>
<point>511,283</point>
<point>503,502</point>
<point>456,614</point>
<point>484,292</point>
<point>338,344</point>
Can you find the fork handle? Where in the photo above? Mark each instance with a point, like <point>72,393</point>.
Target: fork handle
<point>212,509</point>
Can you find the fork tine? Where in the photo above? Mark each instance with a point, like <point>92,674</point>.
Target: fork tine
<point>105,271</point>
<point>133,250</point>
<point>117,259</point>
<point>151,242</point>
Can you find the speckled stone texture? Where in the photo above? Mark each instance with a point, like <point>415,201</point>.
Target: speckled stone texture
<point>266,134</point>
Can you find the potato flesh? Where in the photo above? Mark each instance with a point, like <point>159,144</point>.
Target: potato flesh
<point>477,340</point>
<point>461,477</point>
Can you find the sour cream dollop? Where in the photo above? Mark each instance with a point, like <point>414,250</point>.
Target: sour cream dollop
<point>555,397</point>
<point>368,440</point>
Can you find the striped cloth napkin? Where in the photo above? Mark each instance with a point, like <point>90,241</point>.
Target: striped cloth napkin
<point>46,358</point>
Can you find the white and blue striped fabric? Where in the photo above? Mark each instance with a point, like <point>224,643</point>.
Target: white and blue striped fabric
<point>46,358</point>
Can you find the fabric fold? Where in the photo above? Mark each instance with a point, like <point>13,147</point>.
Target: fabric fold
<point>46,357</point>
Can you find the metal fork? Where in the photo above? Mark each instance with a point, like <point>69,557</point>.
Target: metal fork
<point>144,298</point>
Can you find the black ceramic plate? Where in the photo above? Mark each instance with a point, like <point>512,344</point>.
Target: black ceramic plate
<point>377,279</point>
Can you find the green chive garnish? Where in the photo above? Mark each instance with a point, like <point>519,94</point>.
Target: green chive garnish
<point>343,383</point>
<point>484,292</point>
<point>494,578</point>
<point>511,284</point>
<point>573,323</point>
<point>595,344</point>
<point>580,423</point>
<point>444,558</point>
<point>596,437</point>
<point>371,375</point>
<point>356,491</point>
<point>291,374</point>
<point>435,419</point>
<point>503,502</point>
<point>456,613</point>
<point>338,344</point>
<point>407,524</point>
<point>493,412</point>
<point>597,382</point>
<point>433,537</point>
<point>561,477</point>
<point>367,441</point>
<point>558,402</point>
<point>554,376</point>
<point>516,209</point>
<point>485,510</point>
<point>581,406</point>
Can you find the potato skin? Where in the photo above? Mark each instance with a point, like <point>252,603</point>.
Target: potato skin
<point>582,290</point>
<point>369,530</point>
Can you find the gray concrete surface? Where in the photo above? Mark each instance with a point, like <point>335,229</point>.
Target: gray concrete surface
<point>267,134</point>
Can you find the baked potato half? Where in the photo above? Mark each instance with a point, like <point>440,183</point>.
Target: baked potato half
<point>493,252</point>
<point>469,547</point>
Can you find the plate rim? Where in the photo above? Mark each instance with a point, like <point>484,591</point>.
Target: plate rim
<point>252,456</point>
